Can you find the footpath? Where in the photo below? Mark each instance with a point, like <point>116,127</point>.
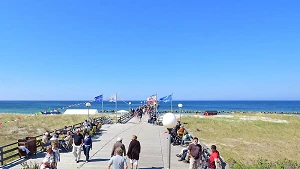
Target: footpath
<point>154,148</point>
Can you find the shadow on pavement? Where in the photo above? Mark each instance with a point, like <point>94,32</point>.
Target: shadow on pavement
<point>152,168</point>
<point>98,159</point>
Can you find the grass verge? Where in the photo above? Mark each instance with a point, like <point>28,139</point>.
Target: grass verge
<point>249,139</point>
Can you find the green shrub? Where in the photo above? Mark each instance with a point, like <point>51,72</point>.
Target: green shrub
<point>30,165</point>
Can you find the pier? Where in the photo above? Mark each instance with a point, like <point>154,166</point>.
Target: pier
<point>154,148</point>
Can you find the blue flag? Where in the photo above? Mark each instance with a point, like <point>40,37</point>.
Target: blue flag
<point>166,98</point>
<point>99,98</point>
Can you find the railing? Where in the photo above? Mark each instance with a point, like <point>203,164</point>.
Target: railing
<point>8,152</point>
<point>221,161</point>
<point>125,118</point>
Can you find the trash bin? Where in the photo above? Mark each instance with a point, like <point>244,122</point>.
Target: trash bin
<point>28,143</point>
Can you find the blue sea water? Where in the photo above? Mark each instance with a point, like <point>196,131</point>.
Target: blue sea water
<point>30,107</point>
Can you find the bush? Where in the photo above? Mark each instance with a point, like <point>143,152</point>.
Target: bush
<point>31,165</point>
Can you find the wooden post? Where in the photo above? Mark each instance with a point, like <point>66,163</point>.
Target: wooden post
<point>1,156</point>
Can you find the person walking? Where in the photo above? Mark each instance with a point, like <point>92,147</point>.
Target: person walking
<point>116,145</point>
<point>140,115</point>
<point>134,151</point>
<point>77,143</point>
<point>195,151</point>
<point>118,161</point>
<point>87,146</point>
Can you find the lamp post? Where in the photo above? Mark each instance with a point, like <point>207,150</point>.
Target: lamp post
<point>88,105</point>
<point>129,105</point>
<point>180,106</point>
<point>169,121</point>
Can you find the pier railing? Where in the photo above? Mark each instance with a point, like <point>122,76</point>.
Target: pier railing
<point>10,152</point>
<point>125,118</point>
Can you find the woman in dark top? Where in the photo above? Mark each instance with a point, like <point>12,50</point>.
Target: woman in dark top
<point>87,146</point>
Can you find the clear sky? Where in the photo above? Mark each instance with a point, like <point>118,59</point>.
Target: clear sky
<point>199,50</point>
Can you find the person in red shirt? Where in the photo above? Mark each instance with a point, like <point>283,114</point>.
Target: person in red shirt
<point>213,159</point>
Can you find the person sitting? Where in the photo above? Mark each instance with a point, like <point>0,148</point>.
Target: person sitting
<point>183,153</point>
<point>51,157</point>
<point>45,164</point>
<point>54,138</point>
<point>186,137</point>
<point>65,130</point>
<point>45,141</point>
<point>72,129</point>
<point>181,131</point>
<point>55,133</point>
<point>86,125</point>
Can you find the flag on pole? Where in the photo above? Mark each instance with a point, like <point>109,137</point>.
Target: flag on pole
<point>98,98</point>
<point>112,98</point>
<point>152,98</point>
<point>166,99</point>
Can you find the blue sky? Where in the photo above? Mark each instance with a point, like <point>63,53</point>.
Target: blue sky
<point>199,50</point>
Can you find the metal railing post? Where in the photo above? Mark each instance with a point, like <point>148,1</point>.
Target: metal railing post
<point>1,156</point>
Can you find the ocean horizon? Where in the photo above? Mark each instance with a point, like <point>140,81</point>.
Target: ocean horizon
<point>35,106</point>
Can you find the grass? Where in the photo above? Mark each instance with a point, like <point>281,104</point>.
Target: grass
<point>21,126</point>
<point>247,139</point>
<point>34,125</point>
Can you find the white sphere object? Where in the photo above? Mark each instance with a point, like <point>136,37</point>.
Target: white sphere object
<point>88,104</point>
<point>169,120</point>
<point>180,105</point>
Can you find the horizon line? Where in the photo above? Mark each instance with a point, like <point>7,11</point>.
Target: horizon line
<point>172,100</point>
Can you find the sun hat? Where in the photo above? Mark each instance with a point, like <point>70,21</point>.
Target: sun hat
<point>119,139</point>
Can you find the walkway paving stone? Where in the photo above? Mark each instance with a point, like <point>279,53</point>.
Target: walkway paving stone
<point>154,147</point>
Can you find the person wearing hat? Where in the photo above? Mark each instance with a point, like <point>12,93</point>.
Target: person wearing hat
<point>118,144</point>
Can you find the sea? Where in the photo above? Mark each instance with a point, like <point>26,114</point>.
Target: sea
<point>32,107</point>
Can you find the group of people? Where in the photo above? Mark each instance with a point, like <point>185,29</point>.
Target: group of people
<point>118,154</point>
<point>194,154</point>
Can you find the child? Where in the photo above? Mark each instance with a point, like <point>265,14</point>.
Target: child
<point>56,152</point>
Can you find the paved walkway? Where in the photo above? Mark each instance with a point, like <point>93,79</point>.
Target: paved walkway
<point>153,147</point>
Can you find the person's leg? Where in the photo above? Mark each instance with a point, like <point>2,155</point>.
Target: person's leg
<point>131,163</point>
<point>197,165</point>
<point>84,150</point>
<point>79,152</point>
<point>184,155</point>
<point>87,156</point>
<point>136,164</point>
<point>74,151</point>
<point>192,163</point>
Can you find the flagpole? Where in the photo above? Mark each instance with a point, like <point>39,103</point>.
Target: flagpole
<point>171,103</point>
<point>156,104</point>
<point>116,108</point>
<point>102,105</point>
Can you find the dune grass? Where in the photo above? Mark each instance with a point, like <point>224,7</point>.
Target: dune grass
<point>250,138</point>
<point>34,125</point>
